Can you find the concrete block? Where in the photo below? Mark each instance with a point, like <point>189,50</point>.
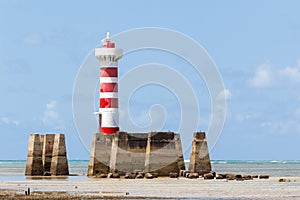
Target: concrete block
<point>163,153</point>
<point>199,158</point>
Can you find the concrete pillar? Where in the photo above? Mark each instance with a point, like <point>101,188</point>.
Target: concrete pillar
<point>34,164</point>
<point>199,159</point>
<point>162,156</point>
<point>120,160</point>
<point>100,154</point>
<point>59,162</point>
<point>48,141</point>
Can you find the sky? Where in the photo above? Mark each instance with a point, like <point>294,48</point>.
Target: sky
<point>254,45</point>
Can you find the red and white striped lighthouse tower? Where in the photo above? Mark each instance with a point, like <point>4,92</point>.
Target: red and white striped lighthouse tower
<point>108,56</point>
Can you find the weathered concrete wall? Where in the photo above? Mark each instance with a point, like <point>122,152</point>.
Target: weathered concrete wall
<point>46,153</point>
<point>137,147</point>
<point>159,152</point>
<point>199,159</point>
<point>34,164</point>
<point>163,154</point>
<point>120,160</point>
<point>59,162</point>
<point>100,155</point>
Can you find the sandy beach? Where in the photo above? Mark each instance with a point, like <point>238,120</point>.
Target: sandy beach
<point>161,188</point>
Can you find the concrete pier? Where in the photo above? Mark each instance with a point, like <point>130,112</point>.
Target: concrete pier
<point>159,152</point>
<point>199,159</point>
<point>46,153</point>
<point>162,153</point>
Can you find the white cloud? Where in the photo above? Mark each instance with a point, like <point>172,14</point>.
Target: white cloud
<point>32,38</point>
<point>225,94</point>
<point>16,122</point>
<point>262,77</point>
<point>51,116</point>
<point>6,120</point>
<point>289,126</point>
<point>243,117</point>
<point>293,73</point>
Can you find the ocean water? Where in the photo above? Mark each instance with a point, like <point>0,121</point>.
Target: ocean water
<point>11,170</point>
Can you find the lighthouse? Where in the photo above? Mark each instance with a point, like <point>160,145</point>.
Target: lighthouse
<point>108,113</point>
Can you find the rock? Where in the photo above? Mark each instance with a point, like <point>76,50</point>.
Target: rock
<point>173,175</point>
<point>155,175</point>
<point>220,176</point>
<point>47,174</point>
<point>213,173</point>
<point>140,175</point>
<point>284,180</point>
<point>181,172</point>
<point>129,176</point>
<point>102,176</point>
<point>193,175</point>
<point>247,177</point>
<point>186,172</point>
<point>136,172</point>
<point>238,176</point>
<point>264,176</point>
<point>209,176</point>
<point>230,176</point>
<point>148,176</point>
<point>113,175</point>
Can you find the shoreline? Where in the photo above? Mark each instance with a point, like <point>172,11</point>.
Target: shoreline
<point>160,188</point>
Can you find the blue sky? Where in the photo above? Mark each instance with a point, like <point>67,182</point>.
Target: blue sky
<point>255,45</point>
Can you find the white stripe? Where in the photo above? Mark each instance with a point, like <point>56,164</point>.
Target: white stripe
<point>107,66</point>
<point>108,79</point>
<point>109,119</point>
<point>108,95</point>
<point>108,110</point>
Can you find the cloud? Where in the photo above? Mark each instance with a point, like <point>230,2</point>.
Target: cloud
<point>225,94</point>
<point>262,77</point>
<point>51,116</point>
<point>292,73</point>
<point>289,126</point>
<point>243,117</point>
<point>32,38</point>
<point>6,120</point>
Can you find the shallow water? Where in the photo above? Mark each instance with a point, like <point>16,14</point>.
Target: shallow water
<point>15,169</point>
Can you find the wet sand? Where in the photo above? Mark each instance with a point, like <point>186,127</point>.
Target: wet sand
<point>161,188</point>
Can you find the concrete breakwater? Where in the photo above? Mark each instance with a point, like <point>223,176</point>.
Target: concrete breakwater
<point>154,152</point>
<point>46,155</point>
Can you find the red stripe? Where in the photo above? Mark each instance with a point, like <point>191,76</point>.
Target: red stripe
<point>108,45</point>
<point>109,87</point>
<point>108,102</point>
<point>109,130</point>
<point>109,72</point>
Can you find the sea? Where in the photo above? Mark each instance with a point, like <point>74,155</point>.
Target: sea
<point>14,170</point>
